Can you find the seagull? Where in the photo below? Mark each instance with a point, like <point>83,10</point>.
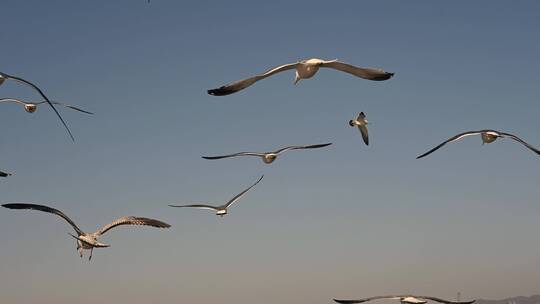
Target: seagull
<point>4,76</point>
<point>304,69</point>
<point>268,157</point>
<point>404,299</point>
<point>89,241</point>
<point>4,174</point>
<point>488,136</point>
<point>31,107</point>
<point>220,210</point>
<point>361,123</point>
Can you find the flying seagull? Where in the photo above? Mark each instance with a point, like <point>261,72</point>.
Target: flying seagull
<point>4,76</point>
<point>220,210</point>
<point>89,241</point>
<point>361,122</point>
<point>406,299</point>
<point>31,107</point>
<point>4,174</point>
<point>304,69</point>
<point>268,157</point>
<point>488,136</point>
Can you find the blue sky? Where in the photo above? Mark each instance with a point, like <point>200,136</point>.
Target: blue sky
<point>346,221</point>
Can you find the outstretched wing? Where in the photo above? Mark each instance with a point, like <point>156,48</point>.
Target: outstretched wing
<point>451,139</point>
<point>68,106</point>
<point>234,155</point>
<point>4,174</point>
<point>133,220</point>
<point>446,301</point>
<point>12,100</point>
<point>365,135</point>
<point>302,147</point>
<point>26,82</point>
<point>200,206</point>
<point>239,195</point>
<point>244,83</point>
<point>366,73</point>
<point>369,299</point>
<point>512,136</point>
<point>44,209</point>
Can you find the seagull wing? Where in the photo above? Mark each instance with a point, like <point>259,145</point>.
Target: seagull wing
<point>68,106</point>
<point>446,301</point>
<point>366,73</point>
<point>244,83</point>
<point>12,100</point>
<point>44,209</point>
<point>365,135</point>
<point>4,174</point>
<point>451,139</point>
<point>20,80</point>
<point>200,206</point>
<point>368,299</point>
<point>239,195</point>
<point>132,220</point>
<point>512,136</point>
<point>235,154</point>
<point>302,147</point>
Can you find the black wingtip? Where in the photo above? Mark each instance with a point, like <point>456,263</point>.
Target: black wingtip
<point>221,91</point>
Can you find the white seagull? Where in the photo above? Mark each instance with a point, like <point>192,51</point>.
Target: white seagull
<point>268,157</point>
<point>31,107</point>
<point>488,136</point>
<point>405,299</point>
<point>4,174</point>
<point>4,76</point>
<point>361,122</point>
<point>89,241</point>
<point>304,69</point>
<point>220,210</point>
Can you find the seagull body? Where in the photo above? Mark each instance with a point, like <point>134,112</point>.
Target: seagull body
<point>4,174</point>
<point>89,241</point>
<point>268,157</point>
<point>222,209</point>
<point>4,77</point>
<point>305,69</point>
<point>31,107</point>
<point>408,299</point>
<point>361,122</point>
<point>488,136</point>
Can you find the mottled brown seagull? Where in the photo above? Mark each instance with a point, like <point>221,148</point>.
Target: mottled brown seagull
<point>89,241</point>
<point>304,69</point>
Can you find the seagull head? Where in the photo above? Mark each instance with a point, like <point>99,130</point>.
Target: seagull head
<point>351,123</point>
<point>30,107</point>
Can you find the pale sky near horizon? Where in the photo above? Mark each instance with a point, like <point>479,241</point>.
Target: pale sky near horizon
<point>346,221</point>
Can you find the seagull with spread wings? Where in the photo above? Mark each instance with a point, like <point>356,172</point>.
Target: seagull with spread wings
<point>304,69</point>
<point>404,299</point>
<point>4,77</point>
<point>488,136</point>
<point>222,209</point>
<point>31,107</point>
<point>89,241</point>
<point>268,157</point>
<point>361,122</point>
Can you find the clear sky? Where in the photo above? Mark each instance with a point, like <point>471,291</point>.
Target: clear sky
<point>345,221</point>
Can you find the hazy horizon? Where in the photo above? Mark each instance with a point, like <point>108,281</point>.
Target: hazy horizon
<point>345,221</point>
